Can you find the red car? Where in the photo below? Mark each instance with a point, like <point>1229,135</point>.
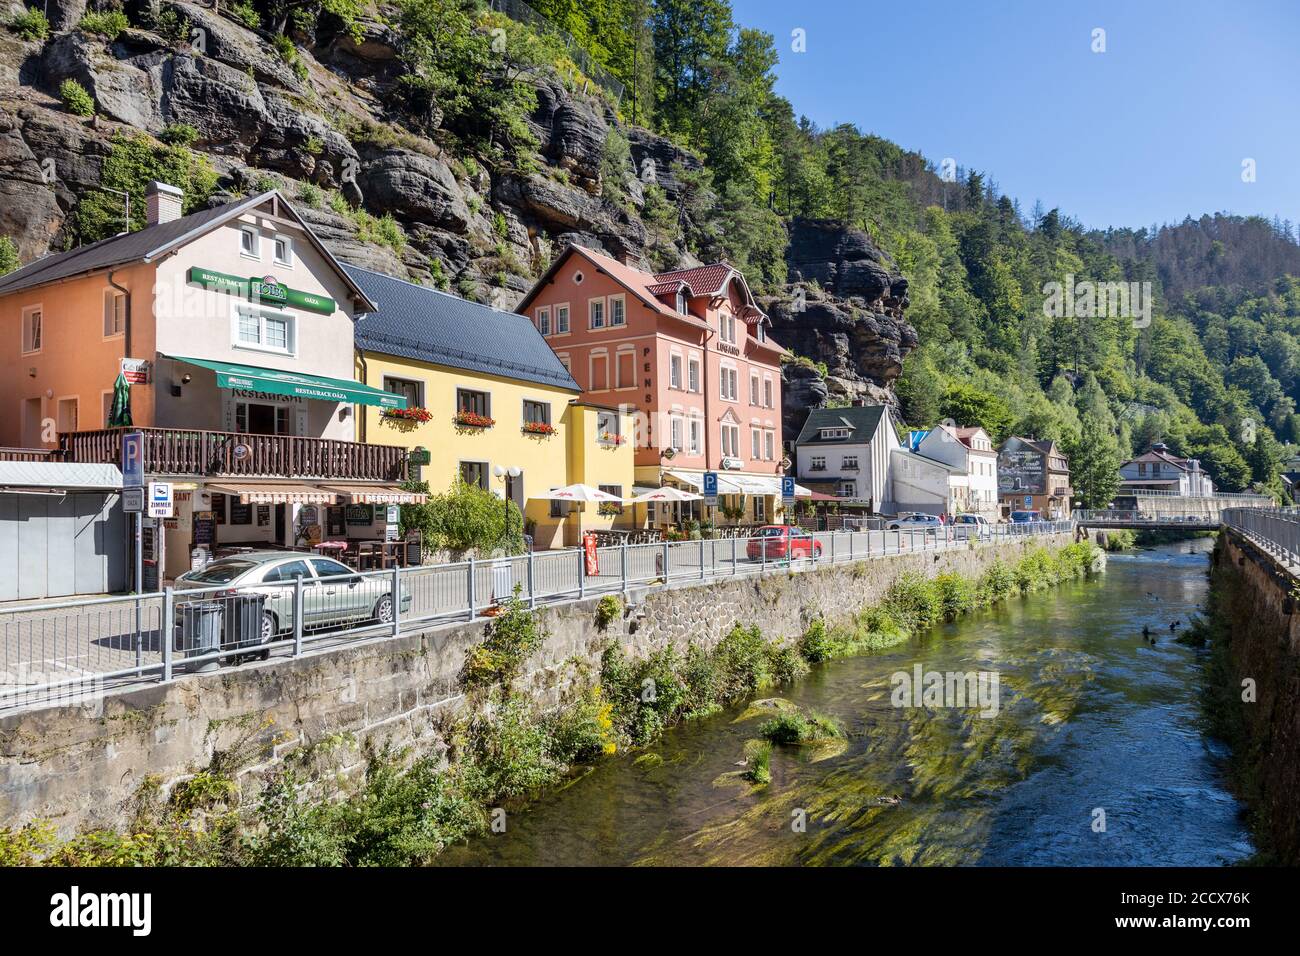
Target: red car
<point>778,542</point>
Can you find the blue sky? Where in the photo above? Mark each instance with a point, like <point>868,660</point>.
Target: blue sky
<point>1153,129</point>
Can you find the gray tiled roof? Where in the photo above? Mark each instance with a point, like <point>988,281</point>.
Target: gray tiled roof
<point>421,323</point>
<point>863,419</point>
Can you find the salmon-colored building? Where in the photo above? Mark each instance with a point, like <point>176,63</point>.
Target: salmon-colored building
<point>688,351</point>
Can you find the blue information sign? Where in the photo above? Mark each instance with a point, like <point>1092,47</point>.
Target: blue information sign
<point>711,488</point>
<point>787,488</point>
<point>133,459</point>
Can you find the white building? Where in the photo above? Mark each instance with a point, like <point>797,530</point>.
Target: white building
<point>923,484</point>
<point>846,452</point>
<point>973,486</point>
<point>1158,470</point>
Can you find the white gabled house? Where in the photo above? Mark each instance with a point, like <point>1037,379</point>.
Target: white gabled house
<point>973,485</point>
<point>846,452</point>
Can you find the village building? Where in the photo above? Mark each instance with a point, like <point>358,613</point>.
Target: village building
<point>1033,476</point>
<point>234,328</point>
<point>846,452</point>
<point>492,405</point>
<point>688,352</point>
<point>1158,470</point>
<point>973,485</point>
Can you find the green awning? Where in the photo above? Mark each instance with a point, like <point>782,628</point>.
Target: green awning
<point>276,382</point>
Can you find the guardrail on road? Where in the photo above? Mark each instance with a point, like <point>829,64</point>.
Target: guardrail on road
<point>70,653</point>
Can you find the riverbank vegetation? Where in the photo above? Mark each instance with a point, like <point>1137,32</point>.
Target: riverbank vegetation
<point>501,750</point>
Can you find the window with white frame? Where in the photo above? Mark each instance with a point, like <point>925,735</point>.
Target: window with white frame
<point>544,321</point>
<point>753,388</point>
<point>760,509</point>
<point>682,304</point>
<point>33,328</point>
<point>674,371</point>
<point>250,242</point>
<point>561,319</point>
<point>769,445</point>
<point>617,310</point>
<point>849,463</point>
<point>596,314</point>
<point>731,441</point>
<point>767,393</point>
<point>727,328</point>
<point>728,383</point>
<point>67,414</point>
<point>756,443</point>
<point>114,312</point>
<point>817,463</point>
<point>284,251</point>
<point>693,374</point>
<point>675,425</point>
<point>694,432</point>
<point>264,329</point>
<point>608,426</point>
<point>848,489</point>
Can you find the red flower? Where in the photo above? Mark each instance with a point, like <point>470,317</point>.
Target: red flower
<point>473,419</point>
<point>539,428</point>
<point>412,414</point>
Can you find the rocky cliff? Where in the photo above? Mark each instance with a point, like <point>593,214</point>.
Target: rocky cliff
<point>317,121</point>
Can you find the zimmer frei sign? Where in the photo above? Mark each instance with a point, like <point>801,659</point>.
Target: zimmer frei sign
<point>266,290</point>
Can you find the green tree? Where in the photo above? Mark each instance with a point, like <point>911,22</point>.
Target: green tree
<point>1094,463</point>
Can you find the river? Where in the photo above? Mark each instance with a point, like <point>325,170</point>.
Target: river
<point>1094,724</point>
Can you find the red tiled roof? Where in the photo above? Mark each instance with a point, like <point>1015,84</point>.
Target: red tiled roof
<point>703,280</point>
<point>637,282</point>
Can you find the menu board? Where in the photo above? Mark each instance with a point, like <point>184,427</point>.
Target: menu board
<point>359,514</point>
<point>263,516</point>
<point>204,531</point>
<point>240,513</point>
<point>219,507</point>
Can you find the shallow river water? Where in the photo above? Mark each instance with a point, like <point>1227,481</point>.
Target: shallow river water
<point>1092,719</point>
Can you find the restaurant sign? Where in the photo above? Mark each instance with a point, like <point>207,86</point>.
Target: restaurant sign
<point>266,290</point>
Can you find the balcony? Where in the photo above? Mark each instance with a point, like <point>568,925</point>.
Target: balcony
<point>179,451</point>
<point>31,454</point>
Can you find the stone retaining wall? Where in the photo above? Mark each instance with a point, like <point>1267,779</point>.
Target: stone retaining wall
<point>329,707</point>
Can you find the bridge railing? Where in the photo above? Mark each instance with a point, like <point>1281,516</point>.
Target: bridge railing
<point>1276,530</point>
<point>1144,516</point>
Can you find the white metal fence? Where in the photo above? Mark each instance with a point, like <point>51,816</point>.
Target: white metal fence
<point>1276,530</point>
<point>70,653</point>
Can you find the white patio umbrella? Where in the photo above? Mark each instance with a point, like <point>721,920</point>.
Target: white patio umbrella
<point>577,492</point>
<point>666,493</point>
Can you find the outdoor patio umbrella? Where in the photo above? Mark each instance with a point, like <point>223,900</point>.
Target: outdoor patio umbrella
<point>577,492</point>
<point>119,413</point>
<point>666,493</point>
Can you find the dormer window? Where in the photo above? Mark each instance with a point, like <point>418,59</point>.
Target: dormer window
<point>681,301</point>
<point>834,433</point>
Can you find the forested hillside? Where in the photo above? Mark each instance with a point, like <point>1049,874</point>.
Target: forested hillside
<point>478,145</point>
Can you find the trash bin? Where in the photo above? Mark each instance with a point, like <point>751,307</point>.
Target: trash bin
<point>201,630</point>
<point>243,624</point>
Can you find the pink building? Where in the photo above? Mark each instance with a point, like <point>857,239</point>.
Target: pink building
<point>688,352</point>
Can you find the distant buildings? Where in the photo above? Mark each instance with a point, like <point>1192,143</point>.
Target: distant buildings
<point>1158,470</point>
<point>973,485</point>
<point>1033,476</point>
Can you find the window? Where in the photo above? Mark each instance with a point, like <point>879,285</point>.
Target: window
<point>681,301</point>
<point>617,310</point>
<point>727,328</point>
<point>607,423</point>
<point>283,250</point>
<point>114,312</point>
<point>328,568</point>
<point>1142,468</point>
<point>538,413</point>
<point>67,414</point>
<point>626,369</point>
<point>561,319</point>
<point>544,321</point>
<point>596,314</point>
<point>471,400</point>
<point>693,375</point>
<point>408,388</point>
<point>731,441</point>
<point>834,433</point>
<point>817,463</point>
<point>753,388</point>
<point>577,278</point>
<point>32,319</point>
<point>474,473</point>
<point>769,445</point>
<point>728,383</point>
<point>848,489</point>
<point>756,443</point>
<point>617,492</point>
<point>260,329</point>
<point>262,419</point>
<point>693,447</point>
<point>287,572</point>
<point>760,508</point>
<point>599,372</point>
<point>849,463</point>
<point>250,242</point>
<point>106,399</point>
<point>675,371</point>
<point>675,428</point>
<point>767,393</point>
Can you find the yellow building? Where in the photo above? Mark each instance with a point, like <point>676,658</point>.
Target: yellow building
<point>490,402</point>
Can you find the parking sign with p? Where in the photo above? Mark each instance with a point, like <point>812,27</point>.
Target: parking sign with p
<point>133,459</point>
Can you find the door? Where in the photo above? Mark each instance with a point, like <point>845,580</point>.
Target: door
<point>261,419</point>
<point>342,594</point>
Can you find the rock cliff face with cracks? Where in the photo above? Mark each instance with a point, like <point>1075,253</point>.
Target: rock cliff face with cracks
<point>321,126</point>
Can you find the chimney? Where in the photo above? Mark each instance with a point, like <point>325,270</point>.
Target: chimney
<point>162,203</point>
<point>859,403</point>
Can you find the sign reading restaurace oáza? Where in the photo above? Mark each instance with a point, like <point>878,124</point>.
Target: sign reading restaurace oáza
<point>266,289</point>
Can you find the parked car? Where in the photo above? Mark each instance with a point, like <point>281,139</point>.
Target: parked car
<point>916,521</point>
<point>1024,517</point>
<point>778,542</point>
<point>333,595</point>
<point>971,525</point>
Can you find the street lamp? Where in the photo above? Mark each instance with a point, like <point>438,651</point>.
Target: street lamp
<point>505,476</point>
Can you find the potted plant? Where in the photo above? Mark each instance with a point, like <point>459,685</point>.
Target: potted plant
<point>611,438</point>
<point>468,419</point>
<point>539,428</point>
<point>412,414</point>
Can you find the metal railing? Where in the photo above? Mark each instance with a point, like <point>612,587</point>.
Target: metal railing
<point>1218,495</point>
<point>1147,516</point>
<point>1276,530</point>
<point>71,653</point>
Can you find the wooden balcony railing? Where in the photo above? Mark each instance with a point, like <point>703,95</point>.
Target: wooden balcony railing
<point>181,451</point>
<point>31,454</point>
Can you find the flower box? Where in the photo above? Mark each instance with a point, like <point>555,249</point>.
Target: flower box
<point>473,420</point>
<point>609,438</point>
<point>539,428</point>
<point>412,414</point>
